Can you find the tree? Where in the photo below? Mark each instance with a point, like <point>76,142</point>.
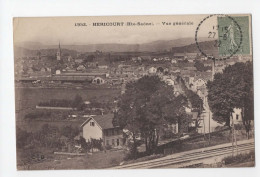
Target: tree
<point>232,89</point>
<point>194,99</point>
<point>77,102</point>
<point>160,69</point>
<point>69,131</point>
<point>199,66</point>
<point>146,106</point>
<point>89,58</point>
<point>84,144</point>
<point>246,100</point>
<point>21,137</point>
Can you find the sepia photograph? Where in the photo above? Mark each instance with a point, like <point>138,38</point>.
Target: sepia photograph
<point>134,92</point>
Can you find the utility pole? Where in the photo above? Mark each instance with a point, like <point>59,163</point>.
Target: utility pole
<point>234,138</point>
<point>232,134</point>
<point>204,125</point>
<point>213,73</point>
<point>209,126</point>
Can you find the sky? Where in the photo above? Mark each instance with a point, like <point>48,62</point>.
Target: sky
<point>51,30</point>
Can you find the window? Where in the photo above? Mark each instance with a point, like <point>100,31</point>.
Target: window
<point>107,142</point>
<point>237,116</point>
<point>92,124</point>
<point>113,142</point>
<point>112,132</point>
<point>117,142</point>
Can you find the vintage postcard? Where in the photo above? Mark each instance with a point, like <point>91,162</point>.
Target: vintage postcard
<point>130,92</point>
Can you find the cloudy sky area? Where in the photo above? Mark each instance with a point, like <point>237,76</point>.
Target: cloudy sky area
<point>51,30</point>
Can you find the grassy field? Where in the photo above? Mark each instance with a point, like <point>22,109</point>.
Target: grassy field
<point>98,160</point>
<point>27,98</point>
<point>35,125</point>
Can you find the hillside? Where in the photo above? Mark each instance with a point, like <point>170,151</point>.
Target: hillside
<point>175,46</point>
<point>22,52</point>
<point>155,46</point>
<point>207,46</point>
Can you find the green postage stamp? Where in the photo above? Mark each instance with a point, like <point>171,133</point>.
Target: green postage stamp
<point>233,35</point>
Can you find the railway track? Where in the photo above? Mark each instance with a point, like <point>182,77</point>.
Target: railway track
<point>189,157</point>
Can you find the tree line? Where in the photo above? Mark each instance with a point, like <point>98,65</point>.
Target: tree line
<point>232,89</point>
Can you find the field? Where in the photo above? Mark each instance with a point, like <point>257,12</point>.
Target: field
<point>97,160</point>
<point>27,98</point>
<point>35,125</point>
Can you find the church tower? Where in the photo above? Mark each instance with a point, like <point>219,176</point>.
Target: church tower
<point>58,55</point>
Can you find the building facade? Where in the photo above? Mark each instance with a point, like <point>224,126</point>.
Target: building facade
<point>101,127</point>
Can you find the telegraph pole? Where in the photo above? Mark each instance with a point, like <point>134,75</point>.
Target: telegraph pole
<point>213,73</point>
<point>209,126</point>
<point>232,134</point>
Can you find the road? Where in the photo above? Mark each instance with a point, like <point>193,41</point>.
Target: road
<point>184,159</point>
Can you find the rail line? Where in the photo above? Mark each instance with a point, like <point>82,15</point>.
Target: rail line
<point>188,157</point>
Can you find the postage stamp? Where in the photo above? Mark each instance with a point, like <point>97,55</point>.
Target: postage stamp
<point>234,34</point>
<point>231,34</point>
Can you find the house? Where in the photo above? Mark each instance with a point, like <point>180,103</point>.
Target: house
<point>79,60</point>
<point>69,58</point>
<point>98,80</point>
<point>173,61</point>
<point>198,83</point>
<point>190,68</point>
<point>58,72</point>
<point>93,65</point>
<point>237,116</point>
<point>145,58</point>
<point>219,69</point>
<point>191,60</point>
<point>204,58</point>
<point>103,67</point>
<point>43,69</point>
<point>152,70</point>
<point>127,71</point>
<point>155,59</point>
<point>193,123</point>
<point>172,128</point>
<point>101,127</point>
<point>179,55</point>
<point>191,56</point>
<point>169,82</point>
<point>81,68</point>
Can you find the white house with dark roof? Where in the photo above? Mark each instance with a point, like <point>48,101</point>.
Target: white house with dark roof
<point>101,127</point>
<point>152,70</point>
<point>98,80</point>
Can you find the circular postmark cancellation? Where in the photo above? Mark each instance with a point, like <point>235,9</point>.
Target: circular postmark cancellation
<point>219,37</point>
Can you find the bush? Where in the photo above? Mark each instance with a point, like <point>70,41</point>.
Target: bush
<point>239,158</point>
<point>114,161</point>
<point>239,127</point>
<point>133,152</point>
<point>108,147</point>
<point>69,131</point>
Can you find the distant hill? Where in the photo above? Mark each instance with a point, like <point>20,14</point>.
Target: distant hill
<point>207,46</point>
<point>30,45</point>
<point>155,46</point>
<point>22,52</point>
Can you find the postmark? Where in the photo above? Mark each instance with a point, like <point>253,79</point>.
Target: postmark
<point>229,36</point>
